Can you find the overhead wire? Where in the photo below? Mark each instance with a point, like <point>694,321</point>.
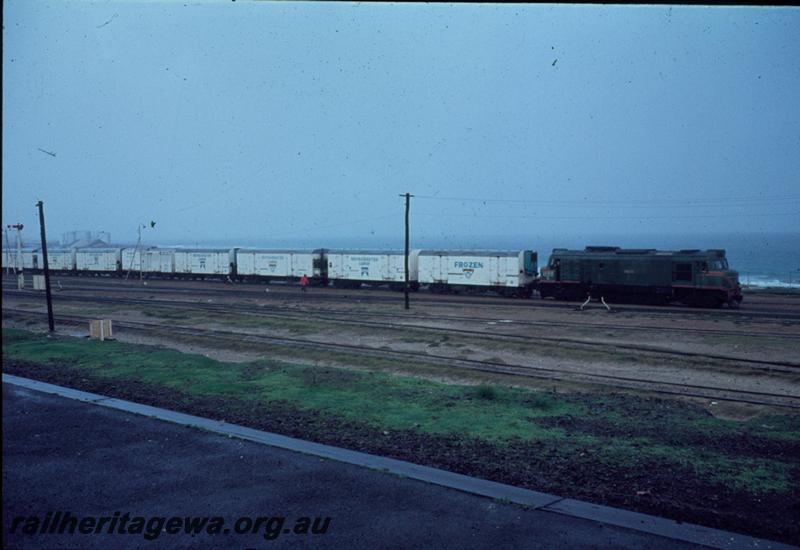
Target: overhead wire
<point>644,217</point>
<point>655,203</point>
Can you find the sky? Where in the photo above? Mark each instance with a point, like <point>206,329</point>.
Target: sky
<point>268,121</point>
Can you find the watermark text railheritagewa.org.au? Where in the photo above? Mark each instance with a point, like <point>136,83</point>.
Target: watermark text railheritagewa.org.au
<point>153,527</point>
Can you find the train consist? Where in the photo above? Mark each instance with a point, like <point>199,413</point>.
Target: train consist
<point>694,277</point>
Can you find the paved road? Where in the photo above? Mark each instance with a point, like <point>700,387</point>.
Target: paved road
<point>69,456</point>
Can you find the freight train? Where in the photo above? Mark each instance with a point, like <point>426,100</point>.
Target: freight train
<point>694,277</point>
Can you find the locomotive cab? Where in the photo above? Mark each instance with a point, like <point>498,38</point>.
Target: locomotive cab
<point>703,278</point>
<point>716,273</point>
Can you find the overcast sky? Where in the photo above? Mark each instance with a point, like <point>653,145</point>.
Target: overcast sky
<point>275,120</point>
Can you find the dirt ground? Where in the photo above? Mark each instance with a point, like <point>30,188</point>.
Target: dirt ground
<point>545,338</point>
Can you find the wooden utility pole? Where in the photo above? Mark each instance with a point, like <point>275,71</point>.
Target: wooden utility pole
<point>50,321</point>
<point>408,206</point>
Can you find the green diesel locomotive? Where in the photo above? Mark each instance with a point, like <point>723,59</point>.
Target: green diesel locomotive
<point>694,277</point>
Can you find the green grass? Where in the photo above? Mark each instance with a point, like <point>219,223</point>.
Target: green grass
<point>163,313</point>
<point>757,475</point>
<point>502,415</point>
<point>388,401</point>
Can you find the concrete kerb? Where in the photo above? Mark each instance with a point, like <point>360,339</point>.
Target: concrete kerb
<point>663,527</point>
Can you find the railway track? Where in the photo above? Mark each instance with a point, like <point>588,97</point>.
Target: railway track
<point>528,371</point>
<point>283,313</point>
<point>329,314</point>
<point>471,318</point>
<point>190,287</point>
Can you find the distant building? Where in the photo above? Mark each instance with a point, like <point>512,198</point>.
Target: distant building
<point>85,238</point>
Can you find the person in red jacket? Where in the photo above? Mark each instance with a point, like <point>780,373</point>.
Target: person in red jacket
<point>303,282</point>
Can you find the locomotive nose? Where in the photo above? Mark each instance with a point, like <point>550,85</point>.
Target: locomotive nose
<point>732,280</point>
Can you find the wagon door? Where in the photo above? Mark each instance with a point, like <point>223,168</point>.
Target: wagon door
<point>396,270</point>
<point>437,270</point>
<point>334,266</point>
<point>385,263</point>
<point>426,268</point>
<point>496,269</point>
<point>303,264</point>
<point>167,262</point>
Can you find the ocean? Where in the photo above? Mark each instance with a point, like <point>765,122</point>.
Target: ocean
<point>762,259</point>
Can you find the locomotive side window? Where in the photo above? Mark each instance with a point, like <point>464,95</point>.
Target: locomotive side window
<point>682,272</point>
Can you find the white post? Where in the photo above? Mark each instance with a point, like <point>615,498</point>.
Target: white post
<point>141,258</point>
<point>9,264</point>
<point>18,263</point>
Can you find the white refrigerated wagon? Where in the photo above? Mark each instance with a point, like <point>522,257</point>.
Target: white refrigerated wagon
<point>204,262</point>
<point>352,268</point>
<point>150,260</point>
<point>159,260</point>
<point>98,260</point>
<point>508,272</point>
<point>59,259</point>
<point>131,260</point>
<point>281,265</point>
